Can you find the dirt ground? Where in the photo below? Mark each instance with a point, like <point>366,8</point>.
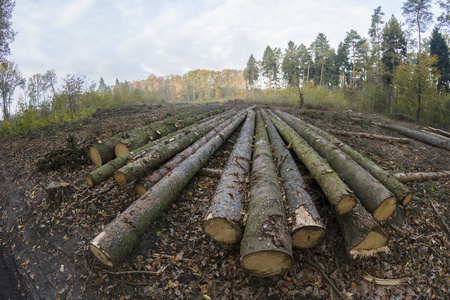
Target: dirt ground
<point>44,244</point>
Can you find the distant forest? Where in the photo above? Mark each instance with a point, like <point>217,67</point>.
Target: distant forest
<point>393,71</point>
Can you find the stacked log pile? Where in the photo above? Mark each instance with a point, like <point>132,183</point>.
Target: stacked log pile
<point>261,200</point>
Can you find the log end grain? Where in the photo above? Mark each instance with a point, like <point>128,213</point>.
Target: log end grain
<point>101,255</point>
<point>120,177</point>
<point>222,230</point>
<point>266,263</point>
<point>89,180</point>
<point>346,204</point>
<point>95,156</point>
<point>121,149</point>
<point>385,209</point>
<point>140,188</point>
<point>375,242</point>
<point>407,199</point>
<point>307,237</point>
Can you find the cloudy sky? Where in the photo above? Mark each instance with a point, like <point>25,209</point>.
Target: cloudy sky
<point>131,39</point>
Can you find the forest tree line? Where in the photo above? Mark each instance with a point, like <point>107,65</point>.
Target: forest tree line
<point>393,71</point>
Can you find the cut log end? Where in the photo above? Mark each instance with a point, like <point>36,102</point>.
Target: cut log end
<point>140,189</point>
<point>266,263</point>
<point>121,149</point>
<point>101,255</point>
<point>374,242</point>
<point>89,180</point>
<point>407,199</point>
<point>222,230</point>
<point>95,156</point>
<point>346,204</point>
<point>385,209</point>
<point>368,253</point>
<point>307,237</point>
<point>121,178</point>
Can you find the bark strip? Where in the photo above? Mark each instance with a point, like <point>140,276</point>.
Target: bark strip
<point>401,191</point>
<point>100,153</point>
<point>307,226</point>
<point>336,191</point>
<point>374,196</point>
<point>266,247</point>
<point>119,237</point>
<point>223,221</point>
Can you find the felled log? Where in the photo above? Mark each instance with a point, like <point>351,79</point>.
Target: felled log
<point>362,234</point>
<point>147,182</point>
<point>119,237</point>
<point>102,152</point>
<point>266,247</point>
<point>142,137</point>
<point>439,131</point>
<point>422,176</point>
<point>336,191</point>
<point>374,196</point>
<point>401,192</point>
<point>208,172</point>
<point>223,221</point>
<point>307,228</point>
<point>437,135</point>
<point>370,136</point>
<point>417,135</point>
<point>107,170</point>
<point>141,164</point>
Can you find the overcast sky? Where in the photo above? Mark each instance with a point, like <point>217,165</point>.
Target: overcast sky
<point>131,39</point>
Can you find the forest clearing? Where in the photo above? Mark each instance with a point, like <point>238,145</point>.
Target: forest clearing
<point>94,235</point>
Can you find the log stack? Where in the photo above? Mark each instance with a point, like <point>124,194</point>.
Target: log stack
<point>261,200</point>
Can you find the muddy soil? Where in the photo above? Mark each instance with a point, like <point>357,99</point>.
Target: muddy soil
<point>44,244</point>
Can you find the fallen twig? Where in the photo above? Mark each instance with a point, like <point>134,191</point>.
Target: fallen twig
<point>447,230</point>
<point>153,273</point>
<point>381,281</point>
<point>214,266</point>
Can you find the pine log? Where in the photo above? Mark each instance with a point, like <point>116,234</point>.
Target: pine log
<point>266,247</point>
<point>223,221</point>
<point>374,196</point>
<point>437,135</point>
<point>107,170</point>
<point>102,152</point>
<point>401,192</point>
<point>148,134</point>
<point>439,131</point>
<point>336,191</point>
<point>141,164</point>
<point>307,226</point>
<point>147,182</point>
<point>119,237</point>
<point>371,136</point>
<point>362,234</point>
<point>420,177</point>
<point>417,135</point>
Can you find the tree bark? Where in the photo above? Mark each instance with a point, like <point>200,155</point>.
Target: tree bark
<point>362,234</point>
<point>417,135</point>
<point>100,153</point>
<point>107,170</point>
<point>336,191</point>
<point>401,192</point>
<point>419,177</point>
<point>371,136</point>
<point>439,131</point>
<point>212,173</point>
<point>374,196</point>
<point>150,133</point>
<point>437,135</point>
<point>141,164</point>
<point>307,226</point>
<point>147,182</point>
<point>119,237</point>
<point>223,221</point>
<point>266,247</point>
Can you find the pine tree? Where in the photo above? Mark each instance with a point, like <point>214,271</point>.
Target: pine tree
<point>439,48</point>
